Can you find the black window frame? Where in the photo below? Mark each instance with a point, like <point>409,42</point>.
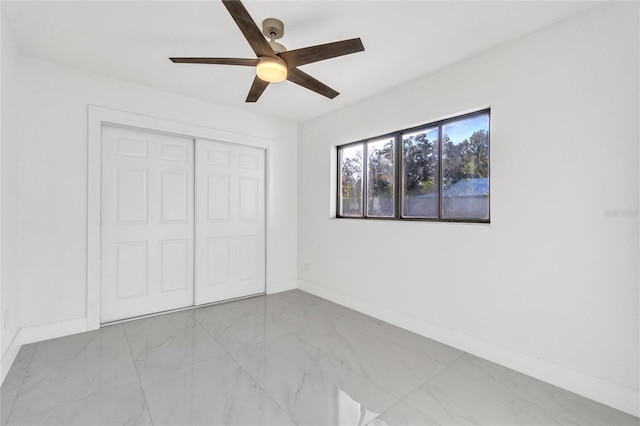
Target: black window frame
<point>399,165</point>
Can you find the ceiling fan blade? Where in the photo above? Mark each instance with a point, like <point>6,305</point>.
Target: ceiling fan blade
<point>256,90</point>
<point>307,55</point>
<point>305,80</point>
<point>216,61</point>
<point>249,28</point>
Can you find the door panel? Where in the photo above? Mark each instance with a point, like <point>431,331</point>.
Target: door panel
<point>249,199</point>
<point>218,259</point>
<point>230,221</point>
<point>249,251</point>
<point>147,223</point>
<point>132,262</point>
<point>218,198</point>
<point>131,201</point>
<point>174,260</point>
<point>175,198</point>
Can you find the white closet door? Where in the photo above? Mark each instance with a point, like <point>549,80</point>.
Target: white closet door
<point>230,221</point>
<point>147,223</point>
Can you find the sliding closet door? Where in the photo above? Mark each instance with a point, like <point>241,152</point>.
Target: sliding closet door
<point>230,221</point>
<point>147,223</point>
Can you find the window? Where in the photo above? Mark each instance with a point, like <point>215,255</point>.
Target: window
<point>381,178</point>
<point>438,171</point>
<point>350,160</point>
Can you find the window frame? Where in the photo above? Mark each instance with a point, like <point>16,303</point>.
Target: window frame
<point>399,169</point>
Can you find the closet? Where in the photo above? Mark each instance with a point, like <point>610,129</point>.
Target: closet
<point>183,222</point>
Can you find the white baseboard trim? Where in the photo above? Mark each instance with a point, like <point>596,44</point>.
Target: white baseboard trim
<point>611,394</point>
<point>38,333</point>
<point>282,286</point>
<point>9,356</point>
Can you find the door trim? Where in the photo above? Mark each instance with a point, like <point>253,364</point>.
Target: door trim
<point>97,116</point>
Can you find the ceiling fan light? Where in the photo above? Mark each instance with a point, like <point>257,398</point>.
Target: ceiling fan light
<point>271,70</point>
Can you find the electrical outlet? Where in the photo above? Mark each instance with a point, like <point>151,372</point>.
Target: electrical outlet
<point>5,319</point>
<point>306,266</point>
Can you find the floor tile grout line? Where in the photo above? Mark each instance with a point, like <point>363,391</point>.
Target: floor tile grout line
<point>403,399</point>
<point>391,341</point>
<point>175,370</point>
<point>133,360</point>
<point>494,387</point>
<point>320,349</point>
<point>418,387</point>
<point>433,422</point>
<point>423,383</point>
<point>451,367</point>
<point>302,302</point>
<point>68,362</point>
<point>292,301</point>
<point>187,364</point>
<point>497,387</point>
<point>296,301</point>
<point>462,354</point>
<point>227,351</point>
<point>75,401</point>
<point>24,377</point>
<point>400,344</point>
<point>294,333</point>
<point>530,402</point>
<point>308,305</point>
<point>206,330</point>
<point>260,342</point>
<point>344,319</point>
<point>262,388</point>
<point>376,417</point>
<point>351,370</point>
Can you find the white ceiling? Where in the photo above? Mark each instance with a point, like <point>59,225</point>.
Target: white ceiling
<point>131,40</point>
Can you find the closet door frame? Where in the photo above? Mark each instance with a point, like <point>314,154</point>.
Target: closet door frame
<point>99,116</point>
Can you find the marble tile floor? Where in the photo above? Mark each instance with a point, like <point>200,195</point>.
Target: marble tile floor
<point>285,359</point>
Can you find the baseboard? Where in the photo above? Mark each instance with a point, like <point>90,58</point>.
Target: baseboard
<point>611,394</point>
<point>10,355</point>
<point>282,286</point>
<point>38,333</point>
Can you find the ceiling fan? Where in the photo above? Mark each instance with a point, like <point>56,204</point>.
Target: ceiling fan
<point>274,63</point>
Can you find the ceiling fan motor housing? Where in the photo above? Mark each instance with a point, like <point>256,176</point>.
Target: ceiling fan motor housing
<point>272,28</point>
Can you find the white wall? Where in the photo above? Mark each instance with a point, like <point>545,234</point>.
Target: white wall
<point>9,236</point>
<point>550,287</point>
<point>53,182</point>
